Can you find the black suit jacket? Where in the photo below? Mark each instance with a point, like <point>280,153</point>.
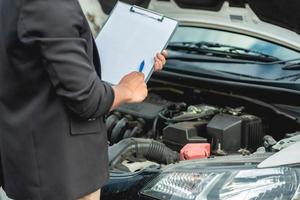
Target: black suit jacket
<point>53,143</point>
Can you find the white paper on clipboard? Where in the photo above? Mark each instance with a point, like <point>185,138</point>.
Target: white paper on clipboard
<point>130,36</point>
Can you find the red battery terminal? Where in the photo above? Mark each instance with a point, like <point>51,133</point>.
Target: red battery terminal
<point>195,151</point>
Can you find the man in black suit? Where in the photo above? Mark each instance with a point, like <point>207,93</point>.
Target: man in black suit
<point>53,143</point>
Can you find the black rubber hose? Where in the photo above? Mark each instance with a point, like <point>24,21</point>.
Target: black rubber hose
<point>127,133</point>
<point>136,129</point>
<point>111,121</point>
<point>118,130</point>
<point>150,149</point>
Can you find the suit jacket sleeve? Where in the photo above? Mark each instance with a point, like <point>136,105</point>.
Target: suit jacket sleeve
<point>54,26</point>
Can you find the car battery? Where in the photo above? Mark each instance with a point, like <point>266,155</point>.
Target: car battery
<point>195,151</point>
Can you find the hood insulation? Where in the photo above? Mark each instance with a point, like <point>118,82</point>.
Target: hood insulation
<point>284,13</point>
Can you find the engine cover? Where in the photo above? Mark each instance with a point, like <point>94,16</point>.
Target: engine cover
<point>177,135</point>
<point>225,132</point>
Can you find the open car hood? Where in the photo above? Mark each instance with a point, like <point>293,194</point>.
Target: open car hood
<point>281,13</point>
<point>274,20</point>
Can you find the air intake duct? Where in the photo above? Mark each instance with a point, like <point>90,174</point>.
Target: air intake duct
<point>146,148</point>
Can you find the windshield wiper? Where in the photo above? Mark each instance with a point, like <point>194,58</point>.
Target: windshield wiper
<point>291,66</point>
<point>283,61</point>
<point>221,50</point>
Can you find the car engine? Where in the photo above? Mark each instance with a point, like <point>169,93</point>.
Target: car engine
<point>178,124</point>
<point>164,131</point>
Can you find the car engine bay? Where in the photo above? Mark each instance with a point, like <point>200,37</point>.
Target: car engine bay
<point>179,123</point>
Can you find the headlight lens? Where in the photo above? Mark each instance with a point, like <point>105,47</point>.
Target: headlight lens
<point>225,184</point>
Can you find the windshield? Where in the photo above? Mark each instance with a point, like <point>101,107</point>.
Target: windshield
<point>233,56</point>
<point>196,34</point>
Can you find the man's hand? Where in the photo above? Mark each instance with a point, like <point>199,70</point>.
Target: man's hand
<point>132,87</point>
<point>160,60</point>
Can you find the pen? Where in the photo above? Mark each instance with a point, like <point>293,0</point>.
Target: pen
<point>142,65</point>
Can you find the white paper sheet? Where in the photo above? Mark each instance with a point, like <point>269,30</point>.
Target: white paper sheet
<point>129,38</point>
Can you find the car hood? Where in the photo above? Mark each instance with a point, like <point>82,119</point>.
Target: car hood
<point>274,20</point>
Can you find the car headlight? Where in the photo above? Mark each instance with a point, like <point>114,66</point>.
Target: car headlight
<point>235,183</point>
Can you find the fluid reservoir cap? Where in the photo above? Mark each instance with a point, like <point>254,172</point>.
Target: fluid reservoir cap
<point>195,151</point>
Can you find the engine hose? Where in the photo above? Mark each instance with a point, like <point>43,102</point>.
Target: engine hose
<point>112,120</point>
<point>184,117</point>
<point>155,132</point>
<point>118,130</point>
<point>132,133</point>
<point>150,149</point>
<point>127,133</point>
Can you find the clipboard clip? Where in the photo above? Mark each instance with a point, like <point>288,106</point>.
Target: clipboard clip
<point>146,13</point>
